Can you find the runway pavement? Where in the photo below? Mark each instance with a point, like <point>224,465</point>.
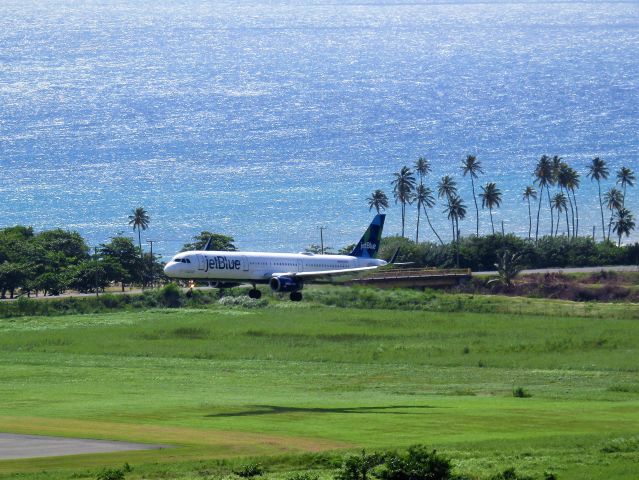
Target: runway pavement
<point>31,446</point>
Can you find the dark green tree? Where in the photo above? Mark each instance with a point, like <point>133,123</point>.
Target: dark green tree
<point>418,463</point>
<point>121,261</point>
<point>219,242</point>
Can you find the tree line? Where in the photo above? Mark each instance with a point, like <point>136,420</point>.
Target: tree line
<point>54,261</point>
<point>552,176</point>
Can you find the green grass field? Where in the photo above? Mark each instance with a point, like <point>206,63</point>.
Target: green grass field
<point>285,382</point>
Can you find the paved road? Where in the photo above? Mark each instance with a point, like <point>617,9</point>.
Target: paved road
<point>610,268</point>
<point>31,446</point>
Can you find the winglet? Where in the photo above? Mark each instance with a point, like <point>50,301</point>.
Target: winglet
<point>394,257</point>
<point>368,245</point>
<point>208,244</point>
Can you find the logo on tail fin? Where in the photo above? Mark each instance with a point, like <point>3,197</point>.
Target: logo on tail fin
<point>368,245</point>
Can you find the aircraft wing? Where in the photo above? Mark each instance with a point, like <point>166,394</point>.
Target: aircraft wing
<point>323,273</point>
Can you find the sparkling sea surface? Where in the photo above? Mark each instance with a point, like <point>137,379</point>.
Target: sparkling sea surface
<point>264,120</point>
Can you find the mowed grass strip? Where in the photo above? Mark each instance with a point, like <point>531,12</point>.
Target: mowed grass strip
<point>312,378</point>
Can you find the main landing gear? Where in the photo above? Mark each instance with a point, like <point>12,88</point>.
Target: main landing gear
<point>255,293</point>
<point>296,296</point>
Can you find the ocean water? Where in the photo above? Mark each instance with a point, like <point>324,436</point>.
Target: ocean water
<point>266,119</point>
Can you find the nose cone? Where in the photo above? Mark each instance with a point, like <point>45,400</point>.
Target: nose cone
<point>169,269</point>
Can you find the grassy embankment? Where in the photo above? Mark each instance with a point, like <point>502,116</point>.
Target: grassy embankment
<point>285,380</point>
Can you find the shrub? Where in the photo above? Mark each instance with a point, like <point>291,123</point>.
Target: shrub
<point>418,463</point>
<point>303,476</point>
<point>170,296</point>
<point>627,445</point>
<point>111,474</point>
<point>358,467</point>
<point>519,392</point>
<point>510,474</point>
<point>250,470</point>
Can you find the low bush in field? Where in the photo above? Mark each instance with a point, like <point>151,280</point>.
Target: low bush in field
<point>250,470</point>
<point>520,392</point>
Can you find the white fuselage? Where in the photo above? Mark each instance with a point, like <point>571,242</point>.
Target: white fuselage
<point>257,267</point>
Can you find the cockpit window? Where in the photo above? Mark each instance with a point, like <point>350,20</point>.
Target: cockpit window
<point>187,260</point>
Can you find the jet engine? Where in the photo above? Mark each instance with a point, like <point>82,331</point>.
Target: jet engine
<point>285,284</point>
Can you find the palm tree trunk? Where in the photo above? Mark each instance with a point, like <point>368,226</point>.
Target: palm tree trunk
<point>140,240</point>
<point>572,212</point>
<point>557,228</point>
<point>472,182</point>
<point>610,222</point>
<point>529,219</point>
<point>576,232</point>
<point>491,220</point>
<point>431,226</point>
<point>552,216</point>
<point>541,196</point>
<point>603,228</point>
<point>417,232</point>
<point>452,223</point>
<point>403,216</point>
<point>457,242</point>
<point>623,200</point>
<point>567,225</point>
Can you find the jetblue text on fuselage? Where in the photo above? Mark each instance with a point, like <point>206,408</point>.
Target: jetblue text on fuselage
<point>221,262</point>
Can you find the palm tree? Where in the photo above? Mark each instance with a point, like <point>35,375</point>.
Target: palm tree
<point>403,188</point>
<point>472,166</point>
<point>625,177</point>
<point>422,167</point>
<point>456,211</point>
<point>378,200</point>
<point>425,198</point>
<point>139,220</point>
<point>447,187</point>
<point>572,184</point>
<point>613,199</point>
<point>563,178</point>
<point>624,223</point>
<point>597,170</point>
<point>543,178</point>
<point>491,198</point>
<point>529,192</point>
<point>560,204</point>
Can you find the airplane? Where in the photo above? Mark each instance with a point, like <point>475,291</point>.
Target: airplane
<point>283,272</point>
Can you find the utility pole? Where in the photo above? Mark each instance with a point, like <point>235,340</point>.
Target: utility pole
<point>322,239</point>
<point>151,242</point>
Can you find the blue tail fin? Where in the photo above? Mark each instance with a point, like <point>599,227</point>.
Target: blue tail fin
<point>369,243</point>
